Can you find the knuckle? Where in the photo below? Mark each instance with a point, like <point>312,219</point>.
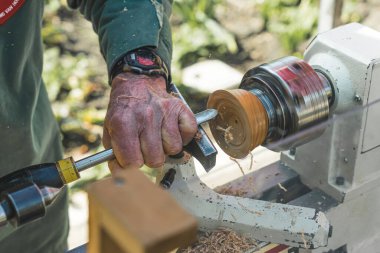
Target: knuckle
<point>105,142</point>
<point>133,164</point>
<point>193,128</point>
<point>149,111</point>
<point>174,148</point>
<point>115,122</point>
<point>189,129</point>
<point>155,163</point>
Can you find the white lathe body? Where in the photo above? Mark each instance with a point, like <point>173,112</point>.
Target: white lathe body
<point>333,178</point>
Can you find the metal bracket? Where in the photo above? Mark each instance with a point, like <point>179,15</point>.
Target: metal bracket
<point>265,221</point>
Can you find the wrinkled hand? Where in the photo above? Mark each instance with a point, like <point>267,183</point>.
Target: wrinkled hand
<point>144,123</point>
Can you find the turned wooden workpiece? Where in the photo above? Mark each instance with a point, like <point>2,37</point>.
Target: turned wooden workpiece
<point>242,122</point>
<point>136,216</point>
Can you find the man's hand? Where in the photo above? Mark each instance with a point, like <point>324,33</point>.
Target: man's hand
<point>144,123</point>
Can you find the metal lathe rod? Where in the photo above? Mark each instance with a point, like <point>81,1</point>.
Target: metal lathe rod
<point>95,159</point>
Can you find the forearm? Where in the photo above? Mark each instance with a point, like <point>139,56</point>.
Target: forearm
<point>143,122</point>
<point>123,26</point>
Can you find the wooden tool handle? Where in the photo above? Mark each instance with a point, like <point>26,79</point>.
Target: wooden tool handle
<point>242,122</point>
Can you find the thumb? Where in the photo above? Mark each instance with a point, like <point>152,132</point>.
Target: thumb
<point>187,124</point>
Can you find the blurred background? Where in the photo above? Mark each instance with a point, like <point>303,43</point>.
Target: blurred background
<point>215,43</point>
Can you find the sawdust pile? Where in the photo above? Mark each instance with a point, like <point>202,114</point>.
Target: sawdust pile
<point>223,240</point>
<point>231,191</point>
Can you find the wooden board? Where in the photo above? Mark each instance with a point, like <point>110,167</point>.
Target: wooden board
<point>136,216</point>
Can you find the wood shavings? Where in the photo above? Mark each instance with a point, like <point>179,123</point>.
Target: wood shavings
<point>222,240</point>
<point>174,94</point>
<point>237,162</point>
<point>231,192</point>
<point>198,136</point>
<point>251,161</point>
<point>228,137</point>
<point>282,187</point>
<point>248,210</point>
<point>304,240</point>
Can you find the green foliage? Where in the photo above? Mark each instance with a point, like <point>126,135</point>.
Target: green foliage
<point>70,77</point>
<point>350,12</point>
<point>197,34</point>
<point>294,21</point>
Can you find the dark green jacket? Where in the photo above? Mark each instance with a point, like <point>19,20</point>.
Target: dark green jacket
<point>28,131</point>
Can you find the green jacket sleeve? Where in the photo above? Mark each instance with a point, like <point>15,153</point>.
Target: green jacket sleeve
<point>125,25</point>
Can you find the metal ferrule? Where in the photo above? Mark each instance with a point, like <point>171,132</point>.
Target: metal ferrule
<point>295,96</point>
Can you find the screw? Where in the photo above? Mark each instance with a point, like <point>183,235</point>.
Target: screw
<point>168,179</point>
<point>292,151</point>
<point>345,160</point>
<point>357,98</point>
<point>339,180</point>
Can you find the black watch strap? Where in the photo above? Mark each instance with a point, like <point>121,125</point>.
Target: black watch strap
<point>141,61</point>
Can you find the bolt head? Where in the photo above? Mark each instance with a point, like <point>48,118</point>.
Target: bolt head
<point>357,98</point>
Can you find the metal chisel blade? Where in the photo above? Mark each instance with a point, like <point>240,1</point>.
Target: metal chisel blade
<point>205,115</point>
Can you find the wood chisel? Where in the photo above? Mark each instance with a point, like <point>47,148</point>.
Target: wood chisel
<point>26,192</point>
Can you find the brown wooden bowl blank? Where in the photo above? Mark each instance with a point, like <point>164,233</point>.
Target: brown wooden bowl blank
<point>242,122</point>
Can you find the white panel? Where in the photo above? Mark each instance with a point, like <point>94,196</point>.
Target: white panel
<point>371,138</point>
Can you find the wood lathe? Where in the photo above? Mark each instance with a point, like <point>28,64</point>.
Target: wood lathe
<point>322,113</point>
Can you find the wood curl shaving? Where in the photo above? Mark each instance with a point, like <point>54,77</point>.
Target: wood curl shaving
<point>304,240</point>
<point>222,240</point>
<point>228,137</point>
<point>229,190</point>
<point>282,187</point>
<point>251,161</point>
<point>237,162</point>
<point>198,136</point>
<point>174,94</point>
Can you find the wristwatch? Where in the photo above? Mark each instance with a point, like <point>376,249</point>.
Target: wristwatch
<point>141,61</point>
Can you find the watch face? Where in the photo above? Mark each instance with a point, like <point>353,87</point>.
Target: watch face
<point>143,59</point>
<point>144,62</point>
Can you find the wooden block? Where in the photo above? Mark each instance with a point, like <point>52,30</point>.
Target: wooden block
<point>242,122</point>
<point>136,216</point>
